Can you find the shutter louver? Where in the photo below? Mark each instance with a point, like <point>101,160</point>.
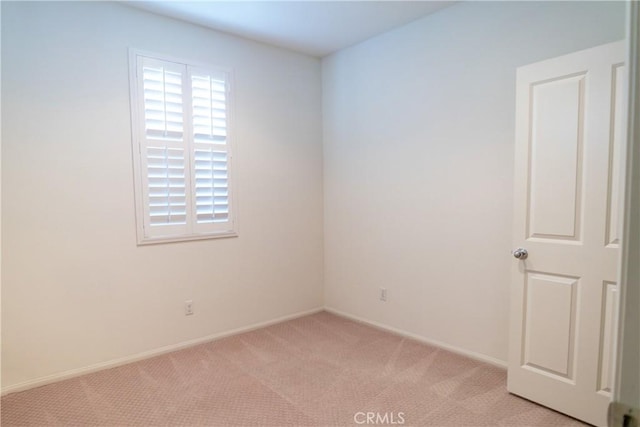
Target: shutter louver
<point>209,97</point>
<point>212,186</point>
<point>167,190</point>
<point>163,103</point>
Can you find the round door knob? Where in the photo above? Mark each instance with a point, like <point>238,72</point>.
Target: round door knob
<point>521,253</point>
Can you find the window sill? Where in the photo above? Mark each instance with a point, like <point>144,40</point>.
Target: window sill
<point>173,239</point>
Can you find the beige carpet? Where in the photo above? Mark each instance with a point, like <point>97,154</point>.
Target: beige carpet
<point>318,370</point>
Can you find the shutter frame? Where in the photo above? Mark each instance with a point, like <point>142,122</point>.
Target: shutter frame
<point>162,214</point>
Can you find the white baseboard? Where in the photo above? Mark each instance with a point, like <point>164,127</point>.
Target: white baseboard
<point>471,354</point>
<point>146,354</point>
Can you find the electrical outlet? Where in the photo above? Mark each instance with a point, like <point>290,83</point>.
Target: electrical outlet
<point>383,294</point>
<point>188,308</point>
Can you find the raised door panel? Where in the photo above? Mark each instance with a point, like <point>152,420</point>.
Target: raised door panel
<point>607,332</point>
<point>550,324</point>
<point>555,163</point>
<point>616,144</point>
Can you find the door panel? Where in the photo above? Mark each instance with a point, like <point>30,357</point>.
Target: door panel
<point>556,146</point>
<point>616,144</point>
<point>607,334</point>
<point>549,320</point>
<point>569,130</point>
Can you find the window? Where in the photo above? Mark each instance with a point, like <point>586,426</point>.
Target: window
<point>181,148</point>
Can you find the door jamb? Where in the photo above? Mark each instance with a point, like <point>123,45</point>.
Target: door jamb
<point>626,390</point>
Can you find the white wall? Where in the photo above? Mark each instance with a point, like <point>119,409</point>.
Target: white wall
<point>418,151</point>
<point>76,289</point>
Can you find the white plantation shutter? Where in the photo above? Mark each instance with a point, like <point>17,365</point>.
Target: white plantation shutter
<point>209,95</point>
<point>163,100</point>
<point>212,186</point>
<point>183,165</point>
<point>167,198</point>
<point>211,159</point>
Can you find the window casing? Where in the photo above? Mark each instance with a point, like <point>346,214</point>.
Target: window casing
<point>181,149</point>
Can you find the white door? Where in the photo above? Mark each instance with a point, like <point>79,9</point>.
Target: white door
<point>569,136</point>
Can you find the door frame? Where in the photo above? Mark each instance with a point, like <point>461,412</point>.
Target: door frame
<point>627,370</point>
